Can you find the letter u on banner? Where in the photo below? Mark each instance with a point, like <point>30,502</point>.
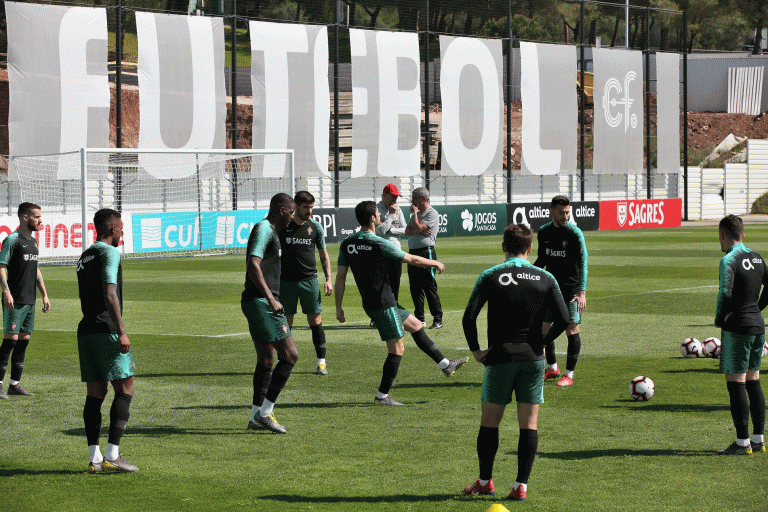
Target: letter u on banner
<point>471,72</point>
<point>548,90</point>
<point>186,55</point>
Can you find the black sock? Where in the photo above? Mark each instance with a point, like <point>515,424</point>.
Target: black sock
<point>574,348</point>
<point>389,372</point>
<point>427,345</point>
<point>487,446</point>
<point>756,406</point>
<point>549,348</point>
<point>527,445</point>
<point>318,339</point>
<point>5,354</point>
<point>739,408</point>
<point>118,417</point>
<point>17,359</point>
<point>280,376</point>
<point>92,419</point>
<point>261,377</point>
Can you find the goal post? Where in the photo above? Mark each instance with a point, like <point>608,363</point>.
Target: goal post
<point>173,202</point>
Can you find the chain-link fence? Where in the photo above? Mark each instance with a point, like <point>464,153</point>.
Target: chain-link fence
<point>585,24</point>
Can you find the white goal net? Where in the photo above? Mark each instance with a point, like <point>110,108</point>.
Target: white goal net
<point>173,202</point>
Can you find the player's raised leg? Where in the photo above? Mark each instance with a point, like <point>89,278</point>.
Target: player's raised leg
<point>449,366</point>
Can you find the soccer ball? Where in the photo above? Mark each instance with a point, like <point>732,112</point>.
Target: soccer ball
<point>765,348</point>
<point>690,347</point>
<point>641,388</point>
<point>711,347</point>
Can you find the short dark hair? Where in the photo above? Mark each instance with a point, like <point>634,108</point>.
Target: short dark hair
<point>303,197</point>
<point>26,208</point>
<point>102,219</point>
<point>517,238</point>
<point>560,201</point>
<point>733,227</point>
<point>281,200</point>
<point>364,211</point>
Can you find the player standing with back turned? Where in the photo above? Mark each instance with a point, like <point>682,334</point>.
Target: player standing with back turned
<point>563,253</point>
<point>743,273</point>
<point>518,295</point>
<point>298,274</point>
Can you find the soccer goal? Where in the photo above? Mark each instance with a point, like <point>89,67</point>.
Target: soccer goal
<point>173,202</point>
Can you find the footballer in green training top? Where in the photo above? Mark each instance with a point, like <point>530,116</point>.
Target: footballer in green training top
<point>260,303</point>
<point>298,274</point>
<point>19,274</point>
<point>741,297</point>
<point>103,344</point>
<point>368,256</point>
<point>563,253</point>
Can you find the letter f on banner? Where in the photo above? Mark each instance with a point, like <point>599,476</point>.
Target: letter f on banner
<point>548,72</point>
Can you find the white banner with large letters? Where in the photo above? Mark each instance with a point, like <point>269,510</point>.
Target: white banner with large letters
<point>57,73</point>
<point>471,78</point>
<point>386,103</point>
<point>291,101</point>
<point>667,112</point>
<point>183,98</point>
<point>618,121</point>
<point>550,112</point>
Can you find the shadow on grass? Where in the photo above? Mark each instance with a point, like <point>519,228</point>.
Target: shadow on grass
<point>196,374</point>
<point>620,452</point>
<point>646,407</point>
<point>715,371</point>
<point>167,430</point>
<point>36,472</point>
<point>397,498</point>
<point>448,384</point>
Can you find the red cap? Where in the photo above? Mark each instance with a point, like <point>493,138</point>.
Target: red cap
<point>392,189</point>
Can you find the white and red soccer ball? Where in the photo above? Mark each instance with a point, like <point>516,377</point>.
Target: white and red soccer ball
<point>711,347</point>
<point>765,348</point>
<point>690,347</point>
<point>641,388</point>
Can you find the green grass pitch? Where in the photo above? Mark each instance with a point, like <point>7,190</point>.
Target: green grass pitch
<point>598,450</point>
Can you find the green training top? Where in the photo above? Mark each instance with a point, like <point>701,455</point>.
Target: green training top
<point>97,266</point>
<point>367,255</point>
<point>743,274</point>
<point>263,243</point>
<point>19,254</point>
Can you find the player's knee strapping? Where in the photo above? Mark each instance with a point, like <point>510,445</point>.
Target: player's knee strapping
<point>427,345</point>
<point>17,359</point>
<point>318,339</point>
<point>389,372</point>
<point>739,408</point>
<point>574,349</point>
<point>487,446</point>
<point>92,419</point>
<point>261,377</point>
<point>756,406</point>
<point>527,445</point>
<point>119,414</point>
<point>280,376</point>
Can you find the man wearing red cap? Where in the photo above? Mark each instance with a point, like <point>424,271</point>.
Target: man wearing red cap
<point>391,227</point>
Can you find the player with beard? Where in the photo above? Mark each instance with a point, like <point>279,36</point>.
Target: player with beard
<point>563,253</point>
<point>19,274</point>
<point>298,274</point>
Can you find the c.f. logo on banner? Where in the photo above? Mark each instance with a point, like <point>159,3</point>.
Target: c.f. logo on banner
<point>614,120</point>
